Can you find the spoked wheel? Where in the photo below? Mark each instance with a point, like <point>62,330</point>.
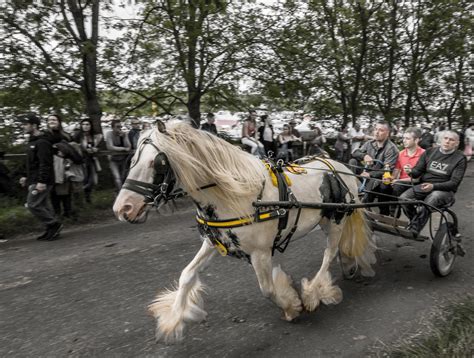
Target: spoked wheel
<point>348,271</point>
<point>442,254</point>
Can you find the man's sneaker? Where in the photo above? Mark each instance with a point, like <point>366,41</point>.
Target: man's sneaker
<point>53,231</point>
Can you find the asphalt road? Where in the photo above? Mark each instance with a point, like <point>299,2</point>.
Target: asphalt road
<point>86,294</point>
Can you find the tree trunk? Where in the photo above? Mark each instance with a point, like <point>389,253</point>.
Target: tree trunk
<point>194,108</point>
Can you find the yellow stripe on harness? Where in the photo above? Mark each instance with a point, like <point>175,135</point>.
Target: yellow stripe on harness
<point>296,169</point>
<point>274,178</point>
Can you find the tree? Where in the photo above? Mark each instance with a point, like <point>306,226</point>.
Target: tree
<point>181,51</point>
<point>53,46</point>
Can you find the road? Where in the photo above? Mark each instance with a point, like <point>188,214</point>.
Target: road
<point>86,294</point>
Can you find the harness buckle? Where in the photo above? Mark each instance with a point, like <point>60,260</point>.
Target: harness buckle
<point>281,212</point>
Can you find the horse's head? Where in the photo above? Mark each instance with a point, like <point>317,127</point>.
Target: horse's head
<point>150,180</point>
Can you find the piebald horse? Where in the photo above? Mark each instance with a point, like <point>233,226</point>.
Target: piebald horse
<point>224,182</point>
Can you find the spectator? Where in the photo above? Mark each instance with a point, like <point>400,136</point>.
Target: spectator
<point>407,157</point>
<point>69,177</point>
<point>39,177</point>
<point>469,141</point>
<point>427,139</point>
<point>5,181</point>
<point>117,142</point>
<point>249,137</point>
<point>285,141</point>
<point>440,170</point>
<point>386,152</point>
<point>342,145</point>
<point>293,129</point>
<point>54,131</point>
<point>146,126</point>
<point>305,125</point>
<point>317,144</point>
<point>357,136</point>
<point>266,135</point>
<point>209,126</point>
<point>134,133</point>
<point>89,142</point>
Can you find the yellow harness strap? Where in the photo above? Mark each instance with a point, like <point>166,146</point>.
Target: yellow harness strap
<point>296,169</point>
<point>274,178</point>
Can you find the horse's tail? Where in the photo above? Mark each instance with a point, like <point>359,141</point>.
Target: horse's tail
<point>355,235</point>
<point>356,242</point>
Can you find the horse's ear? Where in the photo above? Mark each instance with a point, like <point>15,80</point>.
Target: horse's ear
<point>160,126</point>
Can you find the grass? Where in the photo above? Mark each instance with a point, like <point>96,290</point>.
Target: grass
<point>450,334</point>
<point>15,219</point>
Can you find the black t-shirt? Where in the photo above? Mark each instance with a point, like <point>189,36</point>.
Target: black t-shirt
<point>444,171</point>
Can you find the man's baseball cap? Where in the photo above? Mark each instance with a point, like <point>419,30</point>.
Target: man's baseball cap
<point>30,118</point>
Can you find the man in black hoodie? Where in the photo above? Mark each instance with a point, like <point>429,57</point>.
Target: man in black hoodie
<point>40,177</point>
<point>440,170</point>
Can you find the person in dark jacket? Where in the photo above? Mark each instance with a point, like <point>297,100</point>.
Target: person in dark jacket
<point>134,133</point>
<point>427,139</point>
<point>210,126</point>
<point>382,149</point>
<point>267,135</point>
<point>40,177</point>
<point>440,170</point>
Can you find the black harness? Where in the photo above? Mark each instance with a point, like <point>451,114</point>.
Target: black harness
<point>164,179</point>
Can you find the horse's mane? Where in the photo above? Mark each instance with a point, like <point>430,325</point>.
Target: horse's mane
<point>199,158</point>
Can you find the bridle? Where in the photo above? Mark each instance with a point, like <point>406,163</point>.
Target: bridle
<point>164,180</point>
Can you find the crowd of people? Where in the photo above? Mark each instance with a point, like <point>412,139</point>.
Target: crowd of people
<point>63,168</point>
<point>430,167</point>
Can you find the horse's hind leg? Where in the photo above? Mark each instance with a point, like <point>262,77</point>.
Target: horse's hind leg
<point>173,308</point>
<point>321,287</point>
<point>276,284</point>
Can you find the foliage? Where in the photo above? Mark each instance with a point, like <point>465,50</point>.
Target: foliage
<point>392,59</point>
<point>451,334</point>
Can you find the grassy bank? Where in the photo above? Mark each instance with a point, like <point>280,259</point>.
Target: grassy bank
<point>15,219</point>
<point>450,334</point>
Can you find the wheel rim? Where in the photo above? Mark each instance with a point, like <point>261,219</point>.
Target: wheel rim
<point>445,256</point>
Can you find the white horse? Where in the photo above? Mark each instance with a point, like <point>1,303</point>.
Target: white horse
<point>224,181</point>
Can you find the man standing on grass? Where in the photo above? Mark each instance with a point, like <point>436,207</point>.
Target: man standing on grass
<point>40,177</point>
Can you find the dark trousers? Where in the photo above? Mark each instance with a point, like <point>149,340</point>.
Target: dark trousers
<point>64,201</point>
<point>382,189</point>
<point>419,215</point>
<point>39,206</point>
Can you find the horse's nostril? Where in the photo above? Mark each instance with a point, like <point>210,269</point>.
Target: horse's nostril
<point>127,209</point>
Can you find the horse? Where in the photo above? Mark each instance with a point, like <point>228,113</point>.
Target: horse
<point>224,182</point>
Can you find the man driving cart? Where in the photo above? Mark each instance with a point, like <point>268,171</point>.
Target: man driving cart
<point>374,152</point>
<point>440,170</point>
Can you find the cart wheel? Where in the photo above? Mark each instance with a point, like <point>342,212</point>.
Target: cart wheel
<point>441,257</point>
<point>348,272</point>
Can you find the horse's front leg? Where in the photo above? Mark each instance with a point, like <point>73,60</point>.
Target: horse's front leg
<point>321,287</point>
<point>173,308</point>
<point>276,284</point>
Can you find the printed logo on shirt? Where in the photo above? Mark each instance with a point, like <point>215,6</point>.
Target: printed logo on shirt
<point>438,167</point>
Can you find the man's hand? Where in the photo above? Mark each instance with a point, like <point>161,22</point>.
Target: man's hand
<point>22,181</point>
<point>407,168</point>
<point>40,187</point>
<point>427,187</point>
<point>365,174</point>
<point>368,159</point>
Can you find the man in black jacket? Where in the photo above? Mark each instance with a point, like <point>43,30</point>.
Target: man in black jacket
<point>440,170</point>
<point>210,126</point>
<point>40,177</point>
